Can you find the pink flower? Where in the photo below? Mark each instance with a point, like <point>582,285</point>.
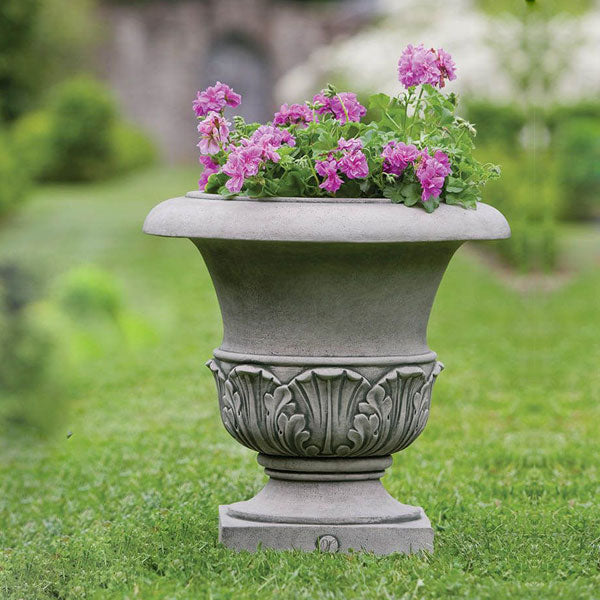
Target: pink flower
<point>354,165</point>
<point>323,102</point>
<point>296,114</point>
<point>443,159</point>
<point>351,145</point>
<point>340,105</point>
<point>328,169</point>
<point>243,162</point>
<point>353,107</point>
<point>210,167</point>
<point>446,65</point>
<point>268,138</point>
<point>214,133</point>
<point>215,99</point>
<point>353,162</point>
<point>431,173</point>
<point>397,156</point>
<point>419,65</point>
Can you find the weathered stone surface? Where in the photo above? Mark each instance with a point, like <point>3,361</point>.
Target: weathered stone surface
<point>325,411</point>
<point>324,366</point>
<point>405,537</point>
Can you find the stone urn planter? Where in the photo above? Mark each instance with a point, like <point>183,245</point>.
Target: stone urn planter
<point>324,367</point>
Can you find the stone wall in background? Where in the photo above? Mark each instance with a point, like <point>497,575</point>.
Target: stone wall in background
<point>156,55</point>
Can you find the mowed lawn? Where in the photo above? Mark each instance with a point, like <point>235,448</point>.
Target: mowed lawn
<point>126,507</point>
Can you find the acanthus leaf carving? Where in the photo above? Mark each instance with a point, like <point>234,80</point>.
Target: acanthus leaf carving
<point>324,411</point>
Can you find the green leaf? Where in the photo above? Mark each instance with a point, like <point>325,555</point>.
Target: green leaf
<point>215,182</point>
<point>394,193</point>
<point>223,191</point>
<point>294,182</point>
<point>254,188</point>
<point>349,189</point>
<point>431,204</point>
<point>446,117</point>
<point>379,101</point>
<point>325,142</point>
<point>455,185</point>
<point>411,194</point>
<point>364,186</point>
<point>452,199</point>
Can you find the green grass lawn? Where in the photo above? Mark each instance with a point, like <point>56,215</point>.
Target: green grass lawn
<point>507,469</point>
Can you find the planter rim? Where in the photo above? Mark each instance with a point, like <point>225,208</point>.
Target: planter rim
<point>344,220</point>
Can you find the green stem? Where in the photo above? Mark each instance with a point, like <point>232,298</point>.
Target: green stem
<point>416,113</point>
<point>406,101</point>
<point>344,107</point>
<point>392,120</point>
<point>312,168</point>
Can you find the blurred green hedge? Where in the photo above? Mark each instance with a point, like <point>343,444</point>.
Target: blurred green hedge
<point>79,136</point>
<point>528,195</point>
<point>569,135</point>
<point>577,144</point>
<point>48,340</point>
<point>42,42</point>
<point>15,181</point>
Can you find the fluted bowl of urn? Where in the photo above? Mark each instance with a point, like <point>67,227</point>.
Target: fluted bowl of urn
<point>324,368</point>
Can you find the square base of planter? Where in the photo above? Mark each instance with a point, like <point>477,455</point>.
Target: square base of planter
<point>382,538</point>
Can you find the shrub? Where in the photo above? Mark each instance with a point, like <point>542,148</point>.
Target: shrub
<point>14,177</point>
<point>496,123</point>
<point>88,291</point>
<point>83,116</point>
<point>529,197</point>
<point>79,138</point>
<point>40,42</point>
<point>25,346</point>
<point>132,148</point>
<point>98,321</point>
<point>577,146</point>
<point>32,136</point>
<point>559,114</point>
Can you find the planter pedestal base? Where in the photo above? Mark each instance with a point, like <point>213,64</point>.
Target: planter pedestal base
<point>327,504</point>
<point>385,538</point>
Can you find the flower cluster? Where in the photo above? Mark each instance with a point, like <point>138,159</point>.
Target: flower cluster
<point>412,150</point>
<point>210,167</point>
<point>397,156</point>
<point>418,66</point>
<point>214,133</point>
<point>348,158</point>
<point>432,172</point>
<point>215,99</point>
<point>245,160</point>
<point>344,106</point>
<point>295,114</point>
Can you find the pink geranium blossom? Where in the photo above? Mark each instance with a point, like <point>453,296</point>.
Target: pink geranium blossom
<point>214,133</point>
<point>215,99</point>
<point>269,138</point>
<point>243,162</point>
<point>432,172</point>
<point>328,169</point>
<point>353,162</point>
<point>446,65</point>
<point>348,158</point>
<point>419,65</point>
<point>351,145</point>
<point>340,105</point>
<point>397,156</point>
<point>294,114</point>
<point>210,167</point>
